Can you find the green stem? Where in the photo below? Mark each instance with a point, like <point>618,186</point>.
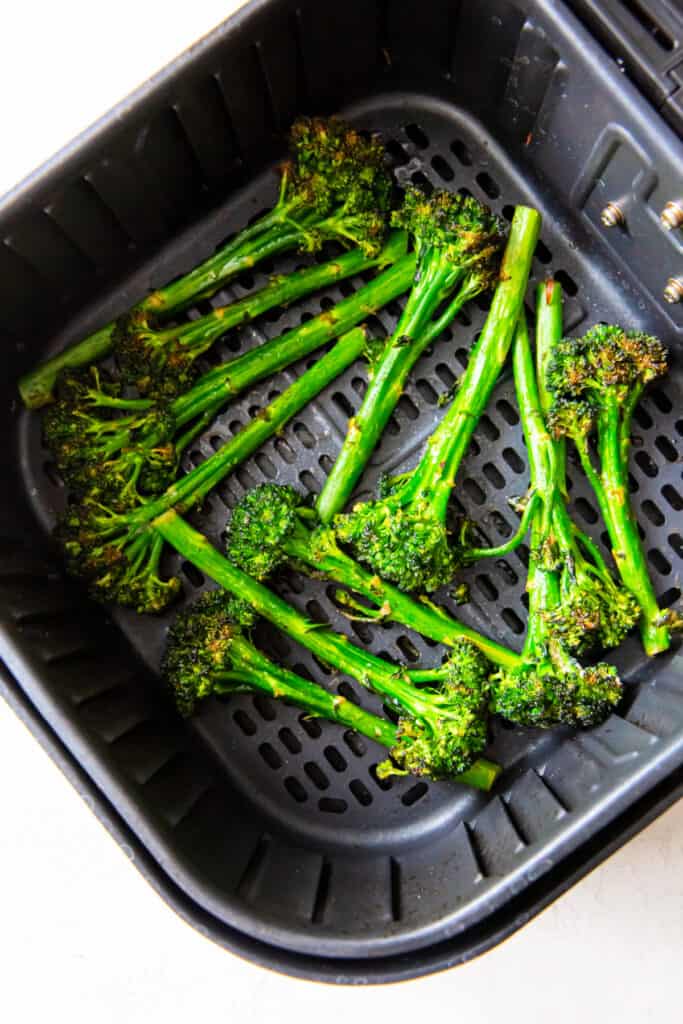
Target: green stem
<point>200,334</point>
<point>262,674</point>
<point>264,360</point>
<point>435,475</point>
<point>331,648</point>
<point>424,617</point>
<point>389,376</point>
<point>613,498</point>
<point>549,329</point>
<point>195,485</point>
<point>266,237</point>
<point>504,549</point>
<point>36,387</point>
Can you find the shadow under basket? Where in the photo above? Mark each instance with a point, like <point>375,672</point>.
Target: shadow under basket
<point>269,831</point>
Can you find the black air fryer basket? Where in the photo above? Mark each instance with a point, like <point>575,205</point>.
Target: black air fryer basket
<point>268,831</point>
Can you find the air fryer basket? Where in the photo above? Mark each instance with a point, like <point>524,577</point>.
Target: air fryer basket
<point>272,827</point>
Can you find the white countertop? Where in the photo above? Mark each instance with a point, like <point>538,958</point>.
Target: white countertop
<point>83,937</point>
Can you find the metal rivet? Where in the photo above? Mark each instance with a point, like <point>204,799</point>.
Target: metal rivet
<point>612,216</point>
<point>674,290</point>
<point>671,216</point>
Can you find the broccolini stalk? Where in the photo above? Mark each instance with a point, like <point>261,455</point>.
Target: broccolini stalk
<point>118,554</point>
<point>162,363</point>
<point>441,729</point>
<point>271,526</point>
<point>403,536</point>
<point>208,653</point>
<point>335,186</point>
<point>596,382</point>
<point>122,450</point>
<point>550,687</point>
<point>593,610</point>
<point>458,245</point>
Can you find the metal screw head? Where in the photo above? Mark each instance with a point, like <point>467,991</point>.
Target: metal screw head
<point>671,216</point>
<point>673,292</point>
<point>612,216</point>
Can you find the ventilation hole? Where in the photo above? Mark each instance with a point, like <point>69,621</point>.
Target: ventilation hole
<point>507,411</point>
<point>316,775</point>
<point>651,511</point>
<point>501,525</point>
<point>346,690</point>
<point>633,485</point>
<point>414,794</point>
<point>508,211</point>
<point>661,400</point>
<point>265,708</point>
<point>335,759</point>
<point>284,450</point>
<point>493,475</point>
<point>648,467</point>
<point>489,429</point>
<point>359,386</point>
<point>346,288</point>
<point>342,403</point>
<point>462,355</point>
<point>245,478</point>
<point>642,417</point>
<point>361,792</point>
<point>303,435</point>
<point>408,649</point>
<point>332,805</point>
<point>270,756</point>
<point>474,491</point>
<point>664,445</point>
<point>568,283</point>
<point>488,185</point>
<point>416,136</point>
<point>679,427</point>
<point>295,789</point>
<point>406,406</point>
<point>309,481</point>
<point>427,392</point>
<point>289,740</point>
<point>445,375</point>
<point>669,597</point>
<point>193,574</point>
<point>660,563</point>
<point>422,182</point>
<point>354,742</point>
<point>543,253</point>
<point>513,460</point>
<point>195,457</point>
<point>506,571</point>
<point>266,465</point>
<point>460,150</point>
<point>512,620</point>
<point>486,587</point>
<point>243,722</point>
<point>676,543</point>
<point>362,631</point>
<point>672,497</point>
<point>443,169</point>
<point>397,153</point>
<point>325,463</point>
<point>310,726</point>
<point>317,612</point>
<point>384,784</point>
<point>586,510</point>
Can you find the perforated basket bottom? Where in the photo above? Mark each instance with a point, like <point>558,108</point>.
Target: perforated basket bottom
<point>340,850</point>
